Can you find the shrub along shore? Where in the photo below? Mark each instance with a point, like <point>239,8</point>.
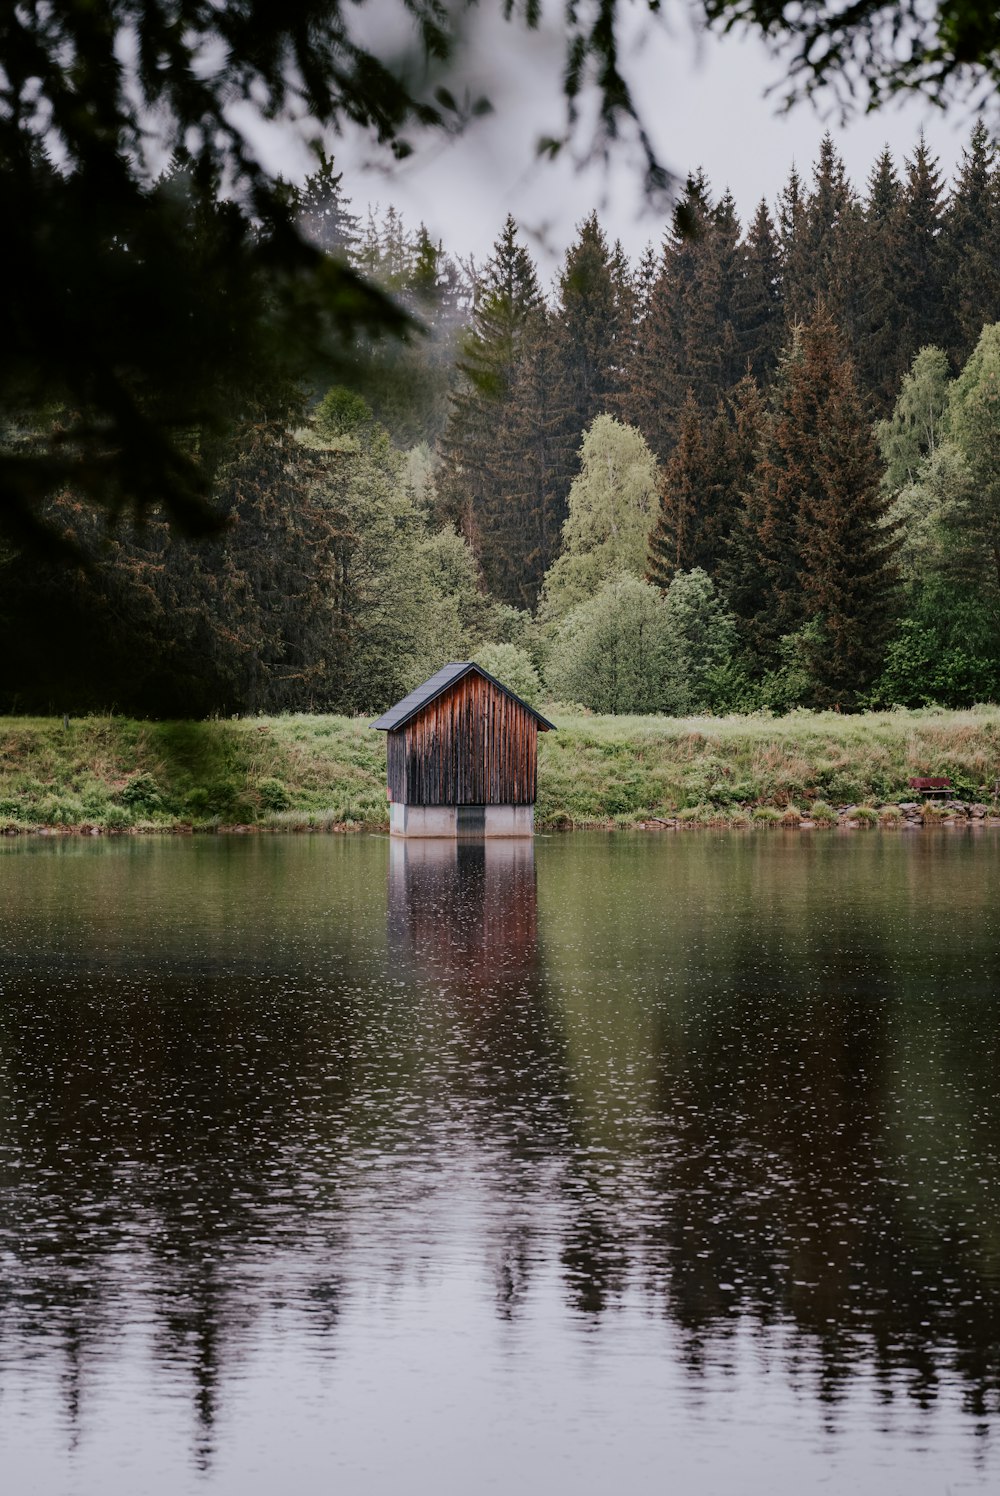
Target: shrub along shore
<point>117,775</point>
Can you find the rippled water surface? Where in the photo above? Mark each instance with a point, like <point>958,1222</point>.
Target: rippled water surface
<point>621,1164</point>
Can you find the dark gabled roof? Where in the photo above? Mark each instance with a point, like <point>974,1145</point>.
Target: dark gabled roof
<point>438,683</point>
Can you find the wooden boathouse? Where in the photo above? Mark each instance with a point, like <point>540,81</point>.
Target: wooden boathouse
<point>462,757</point>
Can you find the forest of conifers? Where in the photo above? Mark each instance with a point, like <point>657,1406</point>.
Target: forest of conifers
<point>758,469</point>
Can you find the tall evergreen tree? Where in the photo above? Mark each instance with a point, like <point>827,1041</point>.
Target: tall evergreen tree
<point>659,377</point>
<point>713,307</point>
<point>758,311</point>
<point>627,284</point>
<point>831,215</point>
<point>324,212</point>
<point>509,311</point>
<point>848,573</point>
<point>687,340</point>
<point>812,546</point>
<point>703,484</point>
<point>590,325</point>
<point>565,379</point>
<point>921,260</point>
<point>529,466</point>
<point>408,381</point>
<point>686,481</point>
<point>877,312</point>
<point>971,246</point>
<point>793,240</point>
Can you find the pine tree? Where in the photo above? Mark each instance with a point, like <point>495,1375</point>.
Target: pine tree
<point>628,293</point>
<point>831,213</point>
<point>703,485</point>
<point>921,261</point>
<point>685,481</point>
<point>324,212</point>
<point>714,343</point>
<point>509,311</point>
<point>687,339</point>
<point>797,284</point>
<point>590,335</point>
<point>564,380</point>
<point>819,239</point>
<point>529,470</point>
<point>763,571</point>
<point>659,378</point>
<point>971,246</point>
<point>758,310</point>
<point>590,323</point>
<point>645,279</point>
<point>877,314</point>
<point>409,382</point>
<point>635,288</point>
<point>849,577</point>
<point>812,547</point>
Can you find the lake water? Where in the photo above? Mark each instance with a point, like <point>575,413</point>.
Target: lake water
<point>663,1163</point>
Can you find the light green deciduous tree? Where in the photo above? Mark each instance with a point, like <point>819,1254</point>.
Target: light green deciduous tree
<point>916,426</point>
<point>612,508</point>
<point>611,653</point>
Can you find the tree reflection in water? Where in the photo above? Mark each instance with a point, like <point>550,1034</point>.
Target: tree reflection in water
<point>745,1093</point>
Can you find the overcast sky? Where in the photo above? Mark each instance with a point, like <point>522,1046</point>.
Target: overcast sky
<point>704,100</point>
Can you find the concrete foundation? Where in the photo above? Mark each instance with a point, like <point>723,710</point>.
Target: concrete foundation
<point>456,821</point>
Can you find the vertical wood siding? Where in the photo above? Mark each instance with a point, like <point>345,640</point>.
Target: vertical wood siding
<point>472,746</point>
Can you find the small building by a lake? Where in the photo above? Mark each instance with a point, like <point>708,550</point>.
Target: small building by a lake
<point>462,753</point>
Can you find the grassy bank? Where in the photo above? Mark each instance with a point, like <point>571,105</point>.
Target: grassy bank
<point>296,772</point>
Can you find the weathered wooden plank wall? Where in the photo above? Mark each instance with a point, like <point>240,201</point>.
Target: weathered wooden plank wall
<point>472,746</point>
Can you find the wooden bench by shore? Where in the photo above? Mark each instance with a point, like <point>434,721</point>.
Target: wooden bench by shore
<point>932,789</point>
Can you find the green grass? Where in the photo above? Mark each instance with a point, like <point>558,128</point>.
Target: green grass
<point>722,769</point>
<point>116,774</point>
<point>314,772</point>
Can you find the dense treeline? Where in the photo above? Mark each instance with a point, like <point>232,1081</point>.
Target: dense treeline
<point>758,468</point>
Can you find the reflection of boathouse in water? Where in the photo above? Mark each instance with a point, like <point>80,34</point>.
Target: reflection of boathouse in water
<point>462,757</point>
<point>465,911</point>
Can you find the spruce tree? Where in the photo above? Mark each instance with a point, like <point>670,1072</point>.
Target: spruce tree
<point>758,311</point>
<point>877,314</point>
<point>628,294</point>
<point>687,339</point>
<point>713,339</point>
<point>971,246</point>
<point>921,262</point>
<point>848,574</point>
<point>812,547</point>
<point>590,325</point>
<point>324,213</point>
<point>830,216</point>
<point>685,482</point>
<point>509,311</point>
<point>703,484</point>
<point>797,283</point>
<point>590,332</point>
<point>529,469</point>
<point>659,381</point>
<point>565,379</point>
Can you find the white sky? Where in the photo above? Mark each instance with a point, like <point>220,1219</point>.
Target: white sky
<point>702,98</point>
